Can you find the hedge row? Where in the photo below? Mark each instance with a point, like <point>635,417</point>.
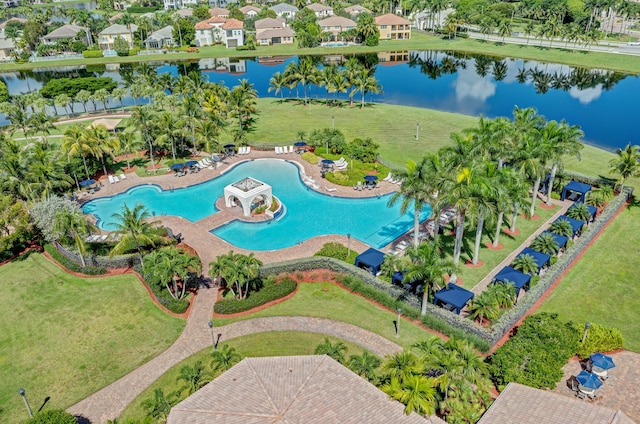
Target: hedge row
<point>392,297</point>
<point>71,265</point>
<point>599,339</point>
<point>87,54</point>
<point>119,261</point>
<point>271,290</point>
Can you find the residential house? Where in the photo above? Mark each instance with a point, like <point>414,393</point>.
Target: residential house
<point>9,3</point>
<point>67,32</point>
<point>273,31</point>
<point>292,389</point>
<point>229,32</point>
<point>336,25</point>
<point>115,18</point>
<point>107,37</point>
<point>160,38</point>
<point>121,4</point>
<point>6,48</point>
<point>179,4</point>
<point>219,12</point>
<point>250,11</point>
<point>4,25</point>
<point>356,10</point>
<point>184,13</point>
<point>321,10</point>
<point>285,11</point>
<point>225,65</point>
<point>393,27</point>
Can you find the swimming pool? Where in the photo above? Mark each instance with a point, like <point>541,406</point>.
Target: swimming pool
<point>309,213</point>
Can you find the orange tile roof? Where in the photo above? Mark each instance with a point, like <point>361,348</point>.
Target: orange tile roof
<point>233,24</point>
<point>218,11</point>
<point>391,19</point>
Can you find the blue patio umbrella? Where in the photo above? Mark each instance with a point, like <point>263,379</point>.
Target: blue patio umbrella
<point>191,163</point>
<point>602,361</point>
<point>589,380</point>
<point>327,161</point>
<point>177,166</point>
<point>299,143</point>
<point>371,178</point>
<point>87,183</point>
<point>230,145</point>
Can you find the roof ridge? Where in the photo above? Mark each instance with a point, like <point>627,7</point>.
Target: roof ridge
<point>304,384</point>
<point>264,389</point>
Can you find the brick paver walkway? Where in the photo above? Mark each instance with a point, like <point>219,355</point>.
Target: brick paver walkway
<point>619,391</point>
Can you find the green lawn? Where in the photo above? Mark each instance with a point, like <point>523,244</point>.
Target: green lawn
<point>66,337</point>
<point>603,286</point>
<point>281,343</point>
<point>326,300</point>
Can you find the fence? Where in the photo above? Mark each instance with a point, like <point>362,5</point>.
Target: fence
<point>121,261</point>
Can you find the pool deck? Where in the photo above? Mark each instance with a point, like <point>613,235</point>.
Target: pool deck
<point>208,246</point>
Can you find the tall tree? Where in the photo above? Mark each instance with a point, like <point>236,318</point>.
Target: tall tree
<point>74,225</point>
<point>135,231</point>
<point>626,164</point>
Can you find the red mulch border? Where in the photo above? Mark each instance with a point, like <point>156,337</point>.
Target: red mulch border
<point>470,264</point>
<point>555,284</point>
<point>489,246</point>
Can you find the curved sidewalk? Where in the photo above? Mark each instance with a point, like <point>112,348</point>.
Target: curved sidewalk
<point>109,402</point>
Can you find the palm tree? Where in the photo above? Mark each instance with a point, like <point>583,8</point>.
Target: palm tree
<point>64,101</point>
<point>365,365</point>
<point>83,96</point>
<point>104,144</point>
<point>236,269</point>
<point>120,93</point>
<point>562,227</point>
<point>170,265</point>
<point>242,101</point>
<point>579,211</point>
<point>75,142</point>
<point>504,28</point>
<point>136,233</point>
<point>504,294</point>
<point>561,140</point>
<point>224,358</point>
<point>402,365</point>
<point>207,134</point>
<point>129,143</point>
<point>428,265</point>
<point>484,306</point>
<point>158,406</point>
<point>335,351</point>
<point>141,119</point>
<point>102,95</point>
<point>193,376</point>
<point>417,392</point>
<point>626,164</point>
<point>74,225</point>
<point>545,243</point>
<point>276,83</point>
<point>44,171</point>
<point>525,263</point>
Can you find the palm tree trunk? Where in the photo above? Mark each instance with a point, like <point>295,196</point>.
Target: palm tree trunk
<point>81,257</point>
<point>498,230</point>
<point>512,229</point>
<point>84,162</point>
<point>457,249</point>
<point>169,290</point>
<point>416,226</point>
<point>536,186</point>
<point>425,299</point>
<point>175,287</point>
<point>104,165</point>
<point>476,248</point>
<point>552,176</point>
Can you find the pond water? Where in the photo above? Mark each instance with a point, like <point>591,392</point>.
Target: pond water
<point>597,100</point>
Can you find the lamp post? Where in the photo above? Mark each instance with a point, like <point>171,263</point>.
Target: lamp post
<point>351,159</point>
<point>398,323</point>
<point>586,330</point>
<point>26,402</point>
<point>333,122</point>
<point>326,145</point>
<point>213,340</point>
<point>417,130</point>
<point>348,245</point>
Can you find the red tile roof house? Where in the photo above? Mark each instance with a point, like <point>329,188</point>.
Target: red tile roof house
<point>336,25</point>
<point>393,27</point>
<point>292,390</point>
<point>215,30</point>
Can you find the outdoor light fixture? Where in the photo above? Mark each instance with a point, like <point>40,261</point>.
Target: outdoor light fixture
<point>586,330</point>
<point>333,123</point>
<point>26,402</point>
<point>398,323</point>
<point>213,340</point>
<point>417,130</point>
<point>348,245</point>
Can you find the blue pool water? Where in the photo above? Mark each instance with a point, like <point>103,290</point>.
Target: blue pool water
<point>309,213</point>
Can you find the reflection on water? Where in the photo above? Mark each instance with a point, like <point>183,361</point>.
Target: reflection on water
<point>456,82</point>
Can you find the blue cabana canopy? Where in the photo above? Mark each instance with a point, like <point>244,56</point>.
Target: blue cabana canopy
<point>397,278</point>
<point>370,260</point>
<point>541,258</point>
<point>512,275</point>
<point>453,295</point>
<point>575,187</point>
<point>576,225</point>
<point>561,240</point>
<point>593,211</point>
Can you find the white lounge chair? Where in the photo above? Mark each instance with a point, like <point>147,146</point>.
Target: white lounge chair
<point>241,150</point>
<point>388,177</point>
<point>111,180</point>
<point>123,177</point>
<point>206,161</point>
<point>290,149</point>
<point>330,190</point>
<point>247,150</point>
<point>284,150</point>
<point>115,179</point>
<point>341,167</point>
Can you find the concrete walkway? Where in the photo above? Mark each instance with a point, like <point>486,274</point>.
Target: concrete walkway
<point>109,402</point>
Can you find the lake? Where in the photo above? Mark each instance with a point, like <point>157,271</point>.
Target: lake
<point>597,100</point>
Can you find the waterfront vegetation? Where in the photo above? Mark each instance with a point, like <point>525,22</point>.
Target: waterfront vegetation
<point>65,337</point>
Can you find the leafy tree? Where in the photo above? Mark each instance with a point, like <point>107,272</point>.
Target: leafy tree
<point>333,249</point>
<point>201,12</point>
<point>4,92</point>
<point>73,224</point>
<point>335,351</point>
<point>183,29</point>
<point>525,263</point>
<point>72,86</point>
<point>169,265</point>
<point>333,138</point>
<point>136,232</point>
<point>224,358</point>
<point>364,150</point>
<point>121,46</point>
<point>44,214</point>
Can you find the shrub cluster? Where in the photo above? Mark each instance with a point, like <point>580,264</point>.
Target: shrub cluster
<point>333,250</point>
<point>310,157</point>
<point>536,354</point>
<point>271,290</point>
<point>72,266</point>
<point>87,54</point>
<point>52,416</point>
<point>165,299</point>
<point>599,339</point>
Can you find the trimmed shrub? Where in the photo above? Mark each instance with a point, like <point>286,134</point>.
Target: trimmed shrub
<point>333,250</point>
<point>70,265</point>
<point>536,354</point>
<point>52,416</point>
<point>599,339</point>
<point>87,54</point>
<point>165,299</point>
<point>310,157</point>
<point>270,291</point>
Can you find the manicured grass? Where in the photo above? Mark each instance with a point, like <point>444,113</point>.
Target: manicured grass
<point>327,300</point>
<point>603,286</point>
<point>66,337</point>
<point>281,343</point>
<point>418,41</point>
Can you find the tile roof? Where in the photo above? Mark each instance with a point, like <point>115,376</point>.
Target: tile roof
<point>292,390</point>
<point>65,31</point>
<point>357,8</point>
<point>210,23</point>
<point>268,34</point>
<point>525,405</point>
<point>233,24</point>
<point>336,21</point>
<point>162,33</point>
<point>317,7</point>
<point>14,19</point>
<point>270,23</point>
<point>284,7</point>
<point>247,9</point>
<point>116,17</point>
<point>116,29</point>
<point>184,12</point>
<point>218,11</point>
<point>391,19</point>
